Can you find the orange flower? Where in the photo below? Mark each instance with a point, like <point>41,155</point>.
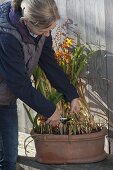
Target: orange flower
<point>58,54</point>
<point>66,43</point>
<point>67,57</point>
<point>62,54</point>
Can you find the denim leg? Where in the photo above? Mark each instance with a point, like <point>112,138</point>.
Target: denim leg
<point>9,133</point>
<point>1,152</point>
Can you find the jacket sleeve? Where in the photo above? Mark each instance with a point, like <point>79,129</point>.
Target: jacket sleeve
<point>54,72</point>
<point>12,68</point>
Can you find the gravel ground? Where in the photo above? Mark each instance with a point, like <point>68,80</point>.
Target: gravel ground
<point>30,148</point>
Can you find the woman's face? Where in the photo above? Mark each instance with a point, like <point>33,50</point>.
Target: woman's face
<point>35,30</point>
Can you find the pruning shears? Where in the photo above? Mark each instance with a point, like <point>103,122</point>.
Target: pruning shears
<point>64,119</point>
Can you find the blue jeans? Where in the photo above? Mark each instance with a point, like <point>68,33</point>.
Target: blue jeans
<point>8,137</point>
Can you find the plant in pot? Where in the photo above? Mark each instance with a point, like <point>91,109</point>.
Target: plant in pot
<point>78,138</point>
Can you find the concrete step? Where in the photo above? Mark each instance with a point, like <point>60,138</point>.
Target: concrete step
<point>29,163</point>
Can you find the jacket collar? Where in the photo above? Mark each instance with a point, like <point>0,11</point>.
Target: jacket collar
<point>14,17</point>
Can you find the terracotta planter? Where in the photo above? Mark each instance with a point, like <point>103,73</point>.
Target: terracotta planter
<point>61,149</point>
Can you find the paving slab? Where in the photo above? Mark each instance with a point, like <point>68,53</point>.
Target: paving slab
<point>29,163</point>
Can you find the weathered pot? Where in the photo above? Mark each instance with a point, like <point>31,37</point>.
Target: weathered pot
<point>61,149</point>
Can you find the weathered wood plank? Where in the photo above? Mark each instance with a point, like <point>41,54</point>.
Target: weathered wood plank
<point>62,8</point>
<point>76,12</point>
<point>94,22</point>
<point>89,16</point>
<point>109,47</point>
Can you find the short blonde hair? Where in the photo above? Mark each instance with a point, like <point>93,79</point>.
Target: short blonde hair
<point>41,13</point>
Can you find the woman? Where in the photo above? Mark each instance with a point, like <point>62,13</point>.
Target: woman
<point>25,41</point>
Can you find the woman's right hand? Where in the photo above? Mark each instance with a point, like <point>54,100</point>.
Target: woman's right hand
<point>54,120</point>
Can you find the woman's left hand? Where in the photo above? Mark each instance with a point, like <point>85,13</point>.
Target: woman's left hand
<point>75,106</point>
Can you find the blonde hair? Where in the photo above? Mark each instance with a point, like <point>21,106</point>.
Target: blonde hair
<point>41,13</point>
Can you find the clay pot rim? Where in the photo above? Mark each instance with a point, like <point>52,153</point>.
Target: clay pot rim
<point>52,137</point>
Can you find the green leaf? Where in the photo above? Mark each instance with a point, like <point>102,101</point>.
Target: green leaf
<point>55,97</point>
<point>29,114</point>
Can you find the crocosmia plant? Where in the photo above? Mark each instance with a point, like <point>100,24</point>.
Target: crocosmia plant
<point>72,56</point>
